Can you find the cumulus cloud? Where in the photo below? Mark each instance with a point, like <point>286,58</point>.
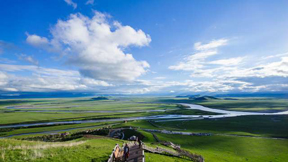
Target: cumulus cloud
<point>71,3</point>
<point>36,40</point>
<point>43,43</point>
<point>97,47</point>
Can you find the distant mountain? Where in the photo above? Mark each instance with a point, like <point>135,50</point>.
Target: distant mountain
<point>100,98</point>
<point>229,96</point>
<point>187,96</point>
<point>203,98</point>
<point>256,94</point>
<point>22,95</point>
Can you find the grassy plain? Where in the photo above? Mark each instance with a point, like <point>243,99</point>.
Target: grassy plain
<point>250,140</point>
<point>23,111</point>
<point>265,126</point>
<point>268,126</point>
<point>229,148</point>
<point>90,150</point>
<point>237,104</point>
<point>226,144</point>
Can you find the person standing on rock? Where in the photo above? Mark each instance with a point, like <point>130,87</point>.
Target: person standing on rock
<point>135,142</point>
<point>139,141</point>
<point>126,152</point>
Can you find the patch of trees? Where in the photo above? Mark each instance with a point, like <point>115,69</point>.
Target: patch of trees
<point>6,129</point>
<point>61,137</point>
<point>203,98</point>
<point>100,98</point>
<point>182,106</point>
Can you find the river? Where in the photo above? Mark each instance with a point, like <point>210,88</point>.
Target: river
<point>223,114</point>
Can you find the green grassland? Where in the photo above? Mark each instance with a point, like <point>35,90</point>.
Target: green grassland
<point>227,148</point>
<point>265,126</point>
<point>95,150</point>
<point>245,138</point>
<point>57,106</point>
<point>255,145</point>
<point>212,148</point>
<point>268,126</point>
<point>57,128</point>
<point>237,104</point>
<point>265,104</point>
<point>69,151</point>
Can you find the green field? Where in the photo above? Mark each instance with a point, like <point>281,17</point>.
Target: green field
<point>266,126</point>
<point>245,138</point>
<point>237,104</point>
<point>57,108</point>
<point>223,148</point>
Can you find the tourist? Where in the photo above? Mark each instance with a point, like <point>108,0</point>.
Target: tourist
<point>139,141</point>
<point>135,142</point>
<point>126,152</point>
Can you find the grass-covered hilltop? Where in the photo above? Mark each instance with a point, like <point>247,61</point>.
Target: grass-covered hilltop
<point>87,129</point>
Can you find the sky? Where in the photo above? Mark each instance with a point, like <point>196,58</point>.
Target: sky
<point>144,47</point>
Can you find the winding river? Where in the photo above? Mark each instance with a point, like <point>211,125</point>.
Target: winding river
<point>223,114</point>
<point>232,113</point>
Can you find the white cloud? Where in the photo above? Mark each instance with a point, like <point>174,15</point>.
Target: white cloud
<point>38,70</point>
<point>90,2</point>
<point>93,82</point>
<point>228,62</point>
<point>44,43</point>
<point>146,86</point>
<point>276,68</point>
<point>29,59</point>
<point>10,89</point>
<point>71,3</point>
<point>46,79</point>
<point>197,61</point>
<point>215,85</point>
<point>36,40</point>
<point>160,78</point>
<point>3,78</point>
<point>97,47</point>
<point>211,45</point>
<point>208,86</point>
<point>275,56</point>
<point>233,74</point>
<point>193,62</point>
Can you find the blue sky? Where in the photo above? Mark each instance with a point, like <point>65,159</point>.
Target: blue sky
<point>136,47</point>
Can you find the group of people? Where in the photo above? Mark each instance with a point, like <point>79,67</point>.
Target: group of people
<point>127,149</point>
